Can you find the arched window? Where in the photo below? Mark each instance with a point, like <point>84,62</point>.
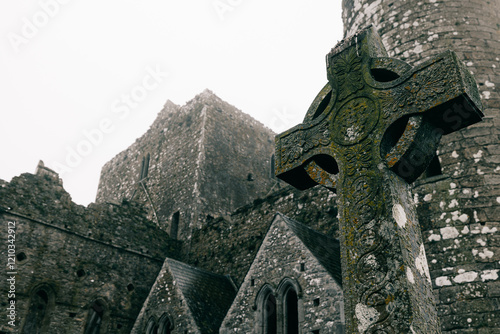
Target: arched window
<point>269,314</point>
<point>291,311</point>
<point>174,227</point>
<point>272,170</point>
<point>165,325</point>
<point>151,327</point>
<point>144,167</point>
<point>266,307</point>
<point>95,317</point>
<point>38,313</point>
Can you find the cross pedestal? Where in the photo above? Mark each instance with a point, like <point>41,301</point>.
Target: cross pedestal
<point>370,132</point>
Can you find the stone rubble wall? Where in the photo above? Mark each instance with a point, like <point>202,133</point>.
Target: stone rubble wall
<point>237,159</point>
<point>106,252</point>
<point>171,143</point>
<point>207,158</point>
<point>228,245</point>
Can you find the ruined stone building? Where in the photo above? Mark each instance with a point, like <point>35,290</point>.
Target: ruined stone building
<point>192,233</point>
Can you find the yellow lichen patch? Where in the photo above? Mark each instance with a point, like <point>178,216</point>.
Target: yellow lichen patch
<point>392,162</point>
<point>389,299</point>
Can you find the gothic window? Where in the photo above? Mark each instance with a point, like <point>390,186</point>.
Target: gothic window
<point>144,167</point>
<point>174,227</point>
<point>291,312</point>
<point>279,311</point>
<point>38,312</point>
<point>95,317</point>
<point>266,315</point>
<point>151,327</point>
<point>165,325</point>
<point>269,313</point>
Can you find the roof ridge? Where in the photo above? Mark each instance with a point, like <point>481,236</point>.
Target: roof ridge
<point>208,295</point>
<point>330,258</point>
<point>171,260</point>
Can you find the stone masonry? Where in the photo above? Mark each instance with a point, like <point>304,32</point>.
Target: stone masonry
<point>76,255</point>
<point>285,255</point>
<point>193,300</point>
<point>206,159</point>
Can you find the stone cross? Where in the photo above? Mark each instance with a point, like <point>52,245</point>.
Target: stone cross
<point>371,131</point>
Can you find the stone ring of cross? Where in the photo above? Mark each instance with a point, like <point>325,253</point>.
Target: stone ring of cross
<point>404,110</point>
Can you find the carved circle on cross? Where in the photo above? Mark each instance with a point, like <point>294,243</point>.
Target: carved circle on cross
<point>354,121</point>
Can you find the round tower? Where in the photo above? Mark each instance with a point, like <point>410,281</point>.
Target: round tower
<point>459,195</point>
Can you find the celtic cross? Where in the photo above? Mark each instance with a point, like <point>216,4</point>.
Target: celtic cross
<point>370,132</point>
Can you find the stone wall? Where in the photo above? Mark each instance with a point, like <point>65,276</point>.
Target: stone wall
<point>119,225</point>
<point>165,299</point>
<point>206,158</point>
<point>284,256</point>
<point>459,210</point>
<point>228,245</point>
<point>237,159</point>
<point>78,255</point>
<point>169,184</point>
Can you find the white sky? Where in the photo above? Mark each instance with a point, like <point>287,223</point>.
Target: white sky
<point>68,73</point>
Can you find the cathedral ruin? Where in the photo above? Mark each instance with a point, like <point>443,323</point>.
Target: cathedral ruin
<point>192,232</point>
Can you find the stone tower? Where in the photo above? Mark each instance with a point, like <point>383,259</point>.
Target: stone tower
<point>196,162</point>
<point>459,197</point>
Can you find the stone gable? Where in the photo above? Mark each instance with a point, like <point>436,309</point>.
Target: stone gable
<point>190,299</point>
<point>284,258</point>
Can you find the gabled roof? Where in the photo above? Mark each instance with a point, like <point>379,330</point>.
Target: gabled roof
<point>324,248</point>
<point>208,295</point>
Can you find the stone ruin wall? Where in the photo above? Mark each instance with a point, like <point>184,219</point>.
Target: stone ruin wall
<point>237,156</point>
<point>228,245</point>
<point>459,211</point>
<point>206,158</point>
<point>155,306</point>
<point>77,255</point>
<point>170,180</point>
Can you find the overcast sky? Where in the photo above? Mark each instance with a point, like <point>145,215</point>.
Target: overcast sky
<point>81,80</point>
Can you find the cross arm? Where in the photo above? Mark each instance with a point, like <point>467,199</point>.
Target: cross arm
<point>304,157</point>
<point>442,88</point>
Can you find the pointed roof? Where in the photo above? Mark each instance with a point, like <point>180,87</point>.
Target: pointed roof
<point>208,295</point>
<point>324,248</point>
